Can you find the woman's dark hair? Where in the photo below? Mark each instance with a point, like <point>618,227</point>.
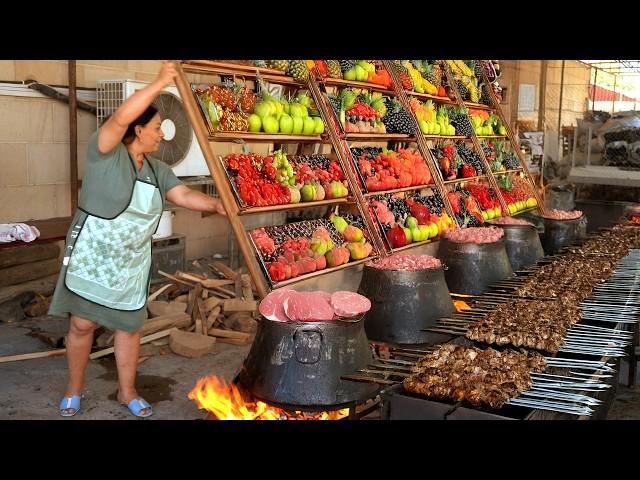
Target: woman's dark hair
<point>143,119</point>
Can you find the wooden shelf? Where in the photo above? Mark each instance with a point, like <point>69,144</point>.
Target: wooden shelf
<point>491,136</point>
<point>504,172</point>
<point>478,106</point>
<point>463,179</point>
<point>525,211</point>
<point>445,137</point>
<point>379,136</point>
<point>398,190</point>
<point>222,68</point>
<point>322,272</point>
<point>293,206</point>
<point>340,82</point>
<point>426,96</point>
<point>416,244</point>
<point>265,137</point>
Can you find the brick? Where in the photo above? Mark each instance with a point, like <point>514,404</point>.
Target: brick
<point>86,123</point>
<point>50,72</point>
<point>7,70</point>
<point>26,120</point>
<point>28,202</point>
<point>13,164</point>
<point>48,163</point>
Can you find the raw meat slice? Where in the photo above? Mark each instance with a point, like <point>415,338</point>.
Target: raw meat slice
<point>272,306</point>
<point>308,307</point>
<point>349,304</point>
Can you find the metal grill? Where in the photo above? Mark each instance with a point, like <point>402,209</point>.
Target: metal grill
<point>109,95</point>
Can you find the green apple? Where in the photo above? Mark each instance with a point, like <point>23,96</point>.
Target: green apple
<point>255,124</point>
<point>424,126</point>
<point>296,110</point>
<point>350,74</point>
<point>308,126</point>
<point>416,233</point>
<point>285,105</point>
<point>279,110</point>
<point>361,73</point>
<point>407,231</point>
<point>308,192</point>
<point>319,127</point>
<point>425,232</point>
<point>286,124</point>
<point>411,222</point>
<point>262,109</point>
<point>298,124</point>
<point>270,124</point>
<point>303,99</point>
<point>433,230</point>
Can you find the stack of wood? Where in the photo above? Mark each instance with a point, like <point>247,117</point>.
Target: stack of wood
<point>192,312</point>
<point>28,274</point>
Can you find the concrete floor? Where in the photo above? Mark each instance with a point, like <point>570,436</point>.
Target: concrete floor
<point>32,389</point>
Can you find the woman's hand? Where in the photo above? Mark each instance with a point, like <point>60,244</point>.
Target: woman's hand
<point>167,73</point>
<point>183,196</point>
<point>220,208</point>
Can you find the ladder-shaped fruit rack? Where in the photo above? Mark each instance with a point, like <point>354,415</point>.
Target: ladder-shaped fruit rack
<point>359,199</point>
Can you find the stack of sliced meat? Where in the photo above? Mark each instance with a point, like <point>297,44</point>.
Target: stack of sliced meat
<point>403,261</point>
<point>555,214</point>
<point>284,305</point>
<point>480,377</point>
<point>509,221</point>
<point>474,235</point>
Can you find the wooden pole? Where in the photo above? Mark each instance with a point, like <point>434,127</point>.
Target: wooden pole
<point>219,178</point>
<point>73,136</point>
<point>543,95</point>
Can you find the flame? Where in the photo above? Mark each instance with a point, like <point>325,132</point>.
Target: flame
<point>226,403</point>
<point>460,305</point>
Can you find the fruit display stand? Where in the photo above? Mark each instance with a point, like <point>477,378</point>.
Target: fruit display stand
<point>365,194</point>
<point>209,139</point>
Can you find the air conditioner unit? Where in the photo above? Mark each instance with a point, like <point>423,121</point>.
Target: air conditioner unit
<point>179,148</point>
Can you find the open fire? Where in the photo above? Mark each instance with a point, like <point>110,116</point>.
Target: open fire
<point>225,402</point>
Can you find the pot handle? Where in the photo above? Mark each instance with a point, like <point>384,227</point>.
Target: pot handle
<point>307,342</point>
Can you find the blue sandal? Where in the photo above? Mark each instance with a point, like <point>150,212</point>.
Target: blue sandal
<point>72,402</point>
<point>136,405</point>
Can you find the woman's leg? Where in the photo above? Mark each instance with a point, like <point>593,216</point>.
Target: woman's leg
<point>127,347</point>
<point>78,344</point>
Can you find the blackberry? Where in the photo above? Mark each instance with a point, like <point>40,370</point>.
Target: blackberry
<point>464,91</point>
<point>397,119</point>
<point>355,220</point>
<point>335,103</point>
<point>511,161</point>
<point>462,124</point>
<point>346,65</point>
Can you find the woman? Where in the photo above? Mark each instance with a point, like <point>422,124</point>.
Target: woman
<point>105,274</point>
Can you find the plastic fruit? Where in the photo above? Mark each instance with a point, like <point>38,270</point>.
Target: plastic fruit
<point>298,124</point>
<point>308,192</point>
<point>350,74</point>
<point>309,126</point>
<point>270,124</point>
<point>319,126</point>
<point>411,222</point>
<point>286,123</point>
<point>262,109</point>
<point>433,230</point>
<point>425,232</point>
<point>531,202</point>
<point>255,124</point>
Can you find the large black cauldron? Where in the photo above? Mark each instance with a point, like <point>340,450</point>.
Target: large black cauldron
<point>473,267</point>
<point>523,246</point>
<point>403,302</point>
<point>561,233</point>
<point>300,364</point>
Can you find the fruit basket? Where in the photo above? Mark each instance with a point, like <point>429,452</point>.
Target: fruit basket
<point>457,161</point>
<point>409,218</point>
<point>360,111</point>
<point>380,169</point>
<point>232,108</point>
<point>278,179</point>
<point>295,251</point>
<point>370,74</point>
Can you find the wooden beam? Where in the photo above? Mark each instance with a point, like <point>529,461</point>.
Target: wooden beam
<point>148,338</point>
<point>28,271</point>
<point>28,254</point>
<point>73,136</point>
<point>29,356</point>
<point>238,305</point>
<point>43,286</point>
